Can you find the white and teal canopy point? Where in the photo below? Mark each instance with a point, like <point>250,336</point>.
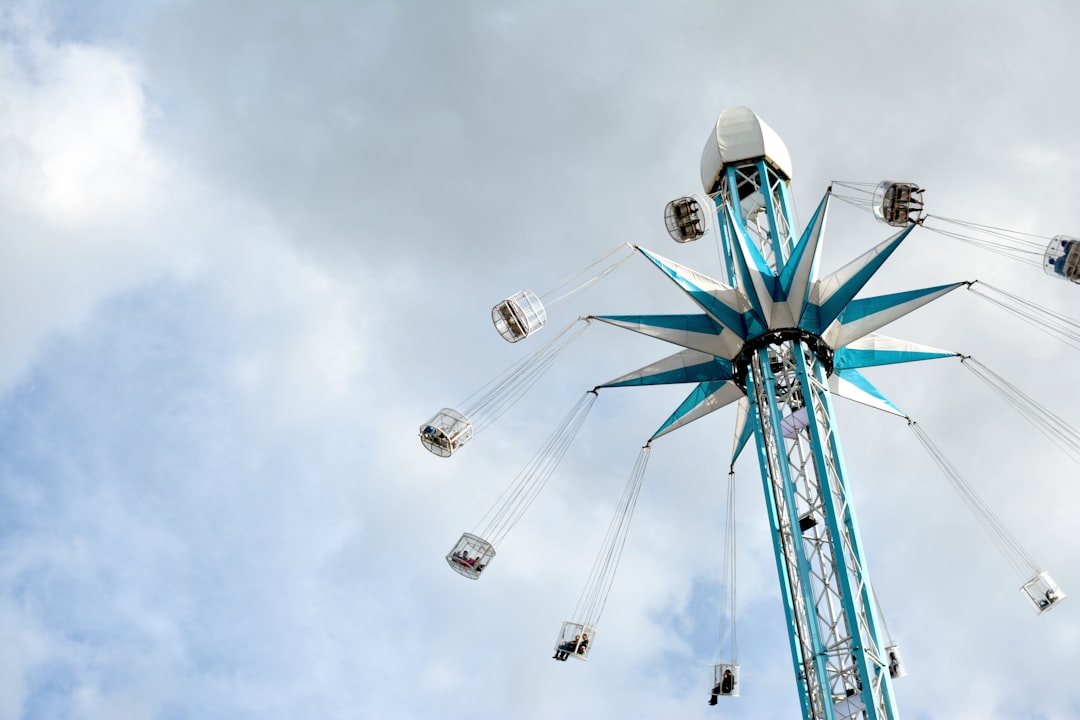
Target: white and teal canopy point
<point>741,135</point>
<point>769,306</point>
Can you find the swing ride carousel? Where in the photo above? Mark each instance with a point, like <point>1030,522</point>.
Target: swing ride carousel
<point>776,339</point>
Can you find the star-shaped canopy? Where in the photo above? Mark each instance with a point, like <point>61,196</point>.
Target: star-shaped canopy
<point>765,300</point>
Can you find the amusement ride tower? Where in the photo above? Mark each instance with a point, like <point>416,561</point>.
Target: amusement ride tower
<point>777,339</point>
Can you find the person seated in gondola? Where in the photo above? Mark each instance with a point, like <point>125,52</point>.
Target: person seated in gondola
<point>509,317</point>
<point>1059,263</point>
<point>437,437</point>
<point>566,648</point>
<point>584,644</point>
<point>726,686</point>
<point>513,318</point>
<point>690,230</point>
<point>685,209</point>
<point>462,558</point>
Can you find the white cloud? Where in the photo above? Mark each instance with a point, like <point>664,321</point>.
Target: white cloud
<point>82,191</point>
<point>244,260</point>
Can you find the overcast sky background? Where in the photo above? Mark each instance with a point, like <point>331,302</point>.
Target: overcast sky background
<point>247,248</point>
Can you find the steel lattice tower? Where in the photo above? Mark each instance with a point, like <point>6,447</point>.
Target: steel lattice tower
<point>780,341</point>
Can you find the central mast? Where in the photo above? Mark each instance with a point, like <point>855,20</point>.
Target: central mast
<point>841,665</point>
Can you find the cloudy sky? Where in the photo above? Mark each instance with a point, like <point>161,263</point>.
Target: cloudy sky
<point>247,248</point>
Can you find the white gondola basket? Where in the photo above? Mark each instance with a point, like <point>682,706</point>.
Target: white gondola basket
<point>575,640</point>
<point>725,680</point>
<point>686,218</point>
<point>470,556</point>
<point>519,316</point>
<point>1062,258</point>
<point>898,204</point>
<point>1043,592</point>
<point>894,661</point>
<point>446,432</point>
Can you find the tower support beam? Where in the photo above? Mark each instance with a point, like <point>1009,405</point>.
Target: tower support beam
<point>840,662</point>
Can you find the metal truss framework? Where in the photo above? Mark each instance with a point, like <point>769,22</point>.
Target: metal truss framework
<point>828,599</point>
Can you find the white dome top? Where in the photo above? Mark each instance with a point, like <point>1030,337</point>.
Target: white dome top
<point>741,135</point>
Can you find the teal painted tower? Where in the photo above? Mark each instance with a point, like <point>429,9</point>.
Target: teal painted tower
<point>778,340</point>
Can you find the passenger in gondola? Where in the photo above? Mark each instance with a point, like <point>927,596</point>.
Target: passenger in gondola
<point>566,648</point>
<point>726,686</point>
<point>511,319</point>
<point>894,665</point>
<point>727,683</point>
<point>584,644</point>
<point>1059,263</point>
